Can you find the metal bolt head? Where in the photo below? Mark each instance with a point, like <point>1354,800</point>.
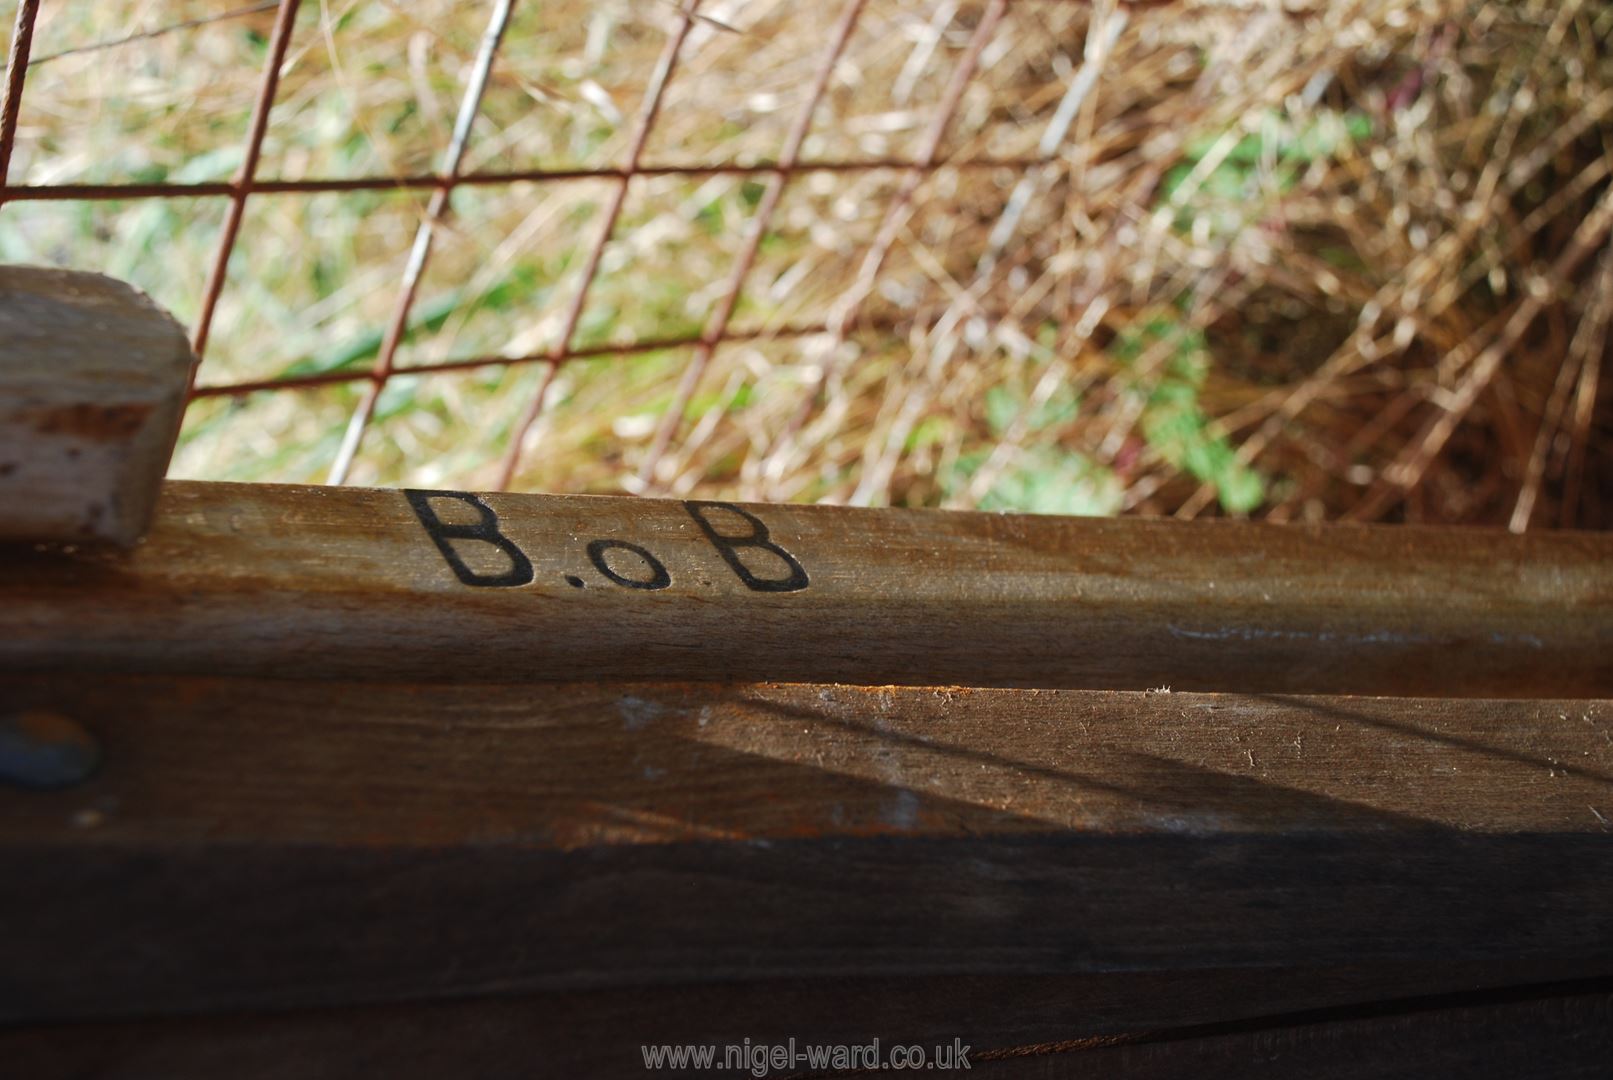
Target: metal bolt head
<point>45,750</point>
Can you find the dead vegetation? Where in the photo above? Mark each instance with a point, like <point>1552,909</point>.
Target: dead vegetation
<point>1297,260</point>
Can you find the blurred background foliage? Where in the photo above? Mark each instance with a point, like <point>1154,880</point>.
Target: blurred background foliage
<point>1296,260</point>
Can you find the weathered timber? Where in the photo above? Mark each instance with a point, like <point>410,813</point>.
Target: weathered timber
<point>1129,1026</point>
<point>1554,1038</point>
<point>255,844</point>
<point>93,375</point>
<point>336,582</point>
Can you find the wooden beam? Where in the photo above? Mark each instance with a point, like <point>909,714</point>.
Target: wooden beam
<point>253,844</point>
<point>1552,1038</point>
<point>263,580</point>
<point>1013,1027</point>
<point>93,377</point>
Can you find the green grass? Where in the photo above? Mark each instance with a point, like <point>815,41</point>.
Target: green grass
<point>1165,365</point>
<point>1304,181</point>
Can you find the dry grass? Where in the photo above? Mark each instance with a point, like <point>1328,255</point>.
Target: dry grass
<point>1302,261</point>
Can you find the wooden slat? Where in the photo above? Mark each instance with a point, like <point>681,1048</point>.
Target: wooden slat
<point>336,582</point>
<point>1013,1027</point>
<point>262,843</point>
<point>1568,1038</point>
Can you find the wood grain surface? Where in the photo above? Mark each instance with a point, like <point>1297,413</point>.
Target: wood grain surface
<point>93,376</point>
<point>1564,1038</point>
<point>252,844</point>
<point>400,780</point>
<point>1120,1026</point>
<point>321,582</point>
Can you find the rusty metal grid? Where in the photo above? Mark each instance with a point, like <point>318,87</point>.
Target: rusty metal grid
<point>846,318</point>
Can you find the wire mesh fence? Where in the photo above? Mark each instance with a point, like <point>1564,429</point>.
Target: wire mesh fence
<point>1299,260</point>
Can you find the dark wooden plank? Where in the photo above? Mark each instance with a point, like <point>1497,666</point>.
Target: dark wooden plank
<point>262,843</point>
<point>1119,1026</point>
<point>266,580</point>
<point>1560,1038</point>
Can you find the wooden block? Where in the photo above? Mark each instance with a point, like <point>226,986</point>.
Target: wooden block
<point>258,844</point>
<point>93,376</point>
<point>286,581</point>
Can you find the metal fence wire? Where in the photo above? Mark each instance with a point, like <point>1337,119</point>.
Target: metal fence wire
<point>964,201</point>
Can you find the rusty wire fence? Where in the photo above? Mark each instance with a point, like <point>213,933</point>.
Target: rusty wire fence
<point>922,190</point>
